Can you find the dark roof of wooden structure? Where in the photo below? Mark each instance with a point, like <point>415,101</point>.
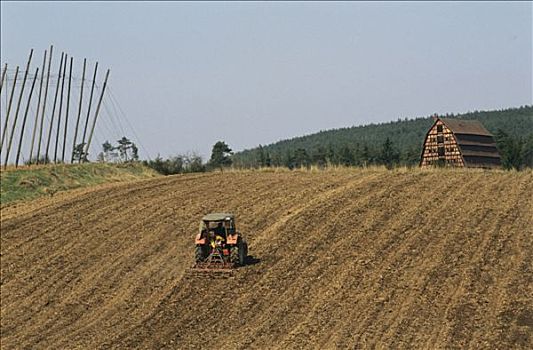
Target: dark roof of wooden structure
<point>460,126</point>
<point>491,154</point>
<point>463,142</point>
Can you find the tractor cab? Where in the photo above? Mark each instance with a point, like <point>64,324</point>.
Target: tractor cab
<point>218,244</point>
<point>221,224</point>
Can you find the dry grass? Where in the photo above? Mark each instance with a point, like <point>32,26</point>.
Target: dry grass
<point>29,182</point>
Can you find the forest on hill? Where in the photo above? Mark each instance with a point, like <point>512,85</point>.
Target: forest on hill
<point>394,143</point>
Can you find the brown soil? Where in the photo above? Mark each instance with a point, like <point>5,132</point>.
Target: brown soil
<point>344,259</point>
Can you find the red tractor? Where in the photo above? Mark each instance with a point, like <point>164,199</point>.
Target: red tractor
<point>219,246</point>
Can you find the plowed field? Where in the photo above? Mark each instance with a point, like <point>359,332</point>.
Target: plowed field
<point>342,259</point>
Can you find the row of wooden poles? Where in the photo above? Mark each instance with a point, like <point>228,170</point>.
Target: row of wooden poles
<point>38,126</point>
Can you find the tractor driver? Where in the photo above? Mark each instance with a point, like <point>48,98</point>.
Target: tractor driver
<point>220,230</point>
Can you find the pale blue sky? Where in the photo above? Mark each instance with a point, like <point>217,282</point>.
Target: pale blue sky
<point>189,74</point>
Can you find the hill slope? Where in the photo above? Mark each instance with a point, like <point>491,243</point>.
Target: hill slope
<point>407,137</point>
<point>348,259</point>
<point>31,182</point>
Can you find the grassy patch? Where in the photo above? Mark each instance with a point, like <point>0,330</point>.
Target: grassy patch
<point>32,182</point>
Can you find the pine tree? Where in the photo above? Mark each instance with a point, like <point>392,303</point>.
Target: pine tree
<point>268,160</point>
<point>319,157</point>
<point>124,144</point>
<point>357,155</point>
<point>389,156</point>
<point>220,156</point>
<point>301,158</point>
<point>346,156</point>
<point>80,154</point>
<point>411,156</point>
<point>365,156</point>
<point>288,160</point>
<point>108,152</point>
<point>510,150</point>
<point>527,152</point>
<point>261,156</point>
<point>134,152</point>
<point>330,155</point>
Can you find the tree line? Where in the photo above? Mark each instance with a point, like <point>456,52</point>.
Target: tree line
<point>221,157</point>
<point>123,151</point>
<point>516,153</point>
<point>397,143</point>
<point>390,144</point>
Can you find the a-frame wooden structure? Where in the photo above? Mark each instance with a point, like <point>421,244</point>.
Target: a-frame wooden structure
<point>459,143</point>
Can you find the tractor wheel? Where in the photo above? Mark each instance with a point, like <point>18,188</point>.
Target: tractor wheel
<point>243,252</point>
<point>199,254</point>
<point>234,255</point>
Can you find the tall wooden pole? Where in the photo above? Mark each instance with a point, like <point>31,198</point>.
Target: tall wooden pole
<point>97,111</point>
<point>60,108</point>
<point>44,105</point>
<point>89,108</point>
<point>13,128</point>
<point>79,111</point>
<point>3,106</point>
<point>9,108</point>
<point>37,112</point>
<point>24,119</point>
<point>4,72</point>
<point>54,108</point>
<point>7,98</point>
<point>66,114</point>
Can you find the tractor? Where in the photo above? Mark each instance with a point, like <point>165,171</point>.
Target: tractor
<point>219,246</point>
